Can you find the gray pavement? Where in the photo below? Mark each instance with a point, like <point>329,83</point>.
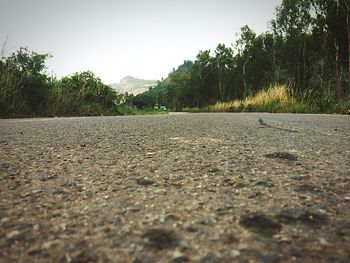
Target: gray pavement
<point>243,187</point>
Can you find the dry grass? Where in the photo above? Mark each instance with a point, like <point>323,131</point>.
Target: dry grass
<point>265,100</point>
<point>275,93</point>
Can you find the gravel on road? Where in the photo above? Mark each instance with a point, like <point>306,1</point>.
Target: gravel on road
<point>243,187</point>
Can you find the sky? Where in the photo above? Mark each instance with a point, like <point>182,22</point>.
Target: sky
<point>115,38</point>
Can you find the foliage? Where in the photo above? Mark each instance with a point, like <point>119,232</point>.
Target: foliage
<point>273,99</point>
<point>306,49</point>
<point>85,93</point>
<point>278,99</point>
<point>25,90</point>
<point>24,87</point>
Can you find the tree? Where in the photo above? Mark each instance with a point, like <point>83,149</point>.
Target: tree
<point>308,49</point>
<point>315,43</point>
<point>243,46</point>
<point>292,23</point>
<point>223,61</point>
<point>86,88</point>
<point>23,82</point>
<point>348,29</point>
<point>202,76</point>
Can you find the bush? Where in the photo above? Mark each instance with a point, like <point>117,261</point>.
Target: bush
<point>279,99</point>
<point>25,90</point>
<point>85,94</point>
<point>24,87</point>
<point>126,110</point>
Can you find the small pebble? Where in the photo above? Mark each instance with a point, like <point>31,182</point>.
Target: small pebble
<point>46,245</point>
<point>322,211</point>
<point>235,253</point>
<point>177,253</point>
<point>4,220</point>
<point>36,227</point>
<point>12,234</point>
<point>162,218</point>
<point>323,241</point>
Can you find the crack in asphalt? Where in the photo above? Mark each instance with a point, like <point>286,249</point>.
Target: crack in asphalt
<point>292,129</point>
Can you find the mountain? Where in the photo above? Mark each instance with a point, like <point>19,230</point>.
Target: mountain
<point>133,85</point>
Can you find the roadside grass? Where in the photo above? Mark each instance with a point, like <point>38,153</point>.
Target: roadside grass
<point>274,99</point>
<point>278,99</point>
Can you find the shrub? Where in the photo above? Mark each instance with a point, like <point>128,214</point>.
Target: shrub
<point>274,99</point>
<point>24,86</point>
<point>25,90</point>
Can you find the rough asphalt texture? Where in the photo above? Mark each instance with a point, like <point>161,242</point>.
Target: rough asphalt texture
<point>176,188</point>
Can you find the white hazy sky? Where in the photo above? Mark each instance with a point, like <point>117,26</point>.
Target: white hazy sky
<point>115,38</point>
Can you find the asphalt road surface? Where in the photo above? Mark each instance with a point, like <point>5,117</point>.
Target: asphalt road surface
<point>203,188</point>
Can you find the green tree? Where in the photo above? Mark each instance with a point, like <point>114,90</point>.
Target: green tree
<point>203,79</point>
<point>332,19</point>
<point>24,86</point>
<point>244,45</point>
<point>315,47</point>
<point>85,92</point>
<point>223,63</point>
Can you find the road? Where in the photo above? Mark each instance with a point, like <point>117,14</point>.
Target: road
<point>243,187</point>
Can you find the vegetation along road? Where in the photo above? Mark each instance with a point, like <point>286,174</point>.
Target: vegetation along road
<point>219,187</point>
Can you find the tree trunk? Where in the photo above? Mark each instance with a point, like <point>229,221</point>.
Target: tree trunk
<point>298,73</point>
<point>220,89</point>
<point>340,93</point>
<point>304,66</point>
<point>244,79</point>
<point>348,27</point>
<point>274,62</point>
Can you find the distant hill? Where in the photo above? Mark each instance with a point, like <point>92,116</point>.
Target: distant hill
<point>133,85</point>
